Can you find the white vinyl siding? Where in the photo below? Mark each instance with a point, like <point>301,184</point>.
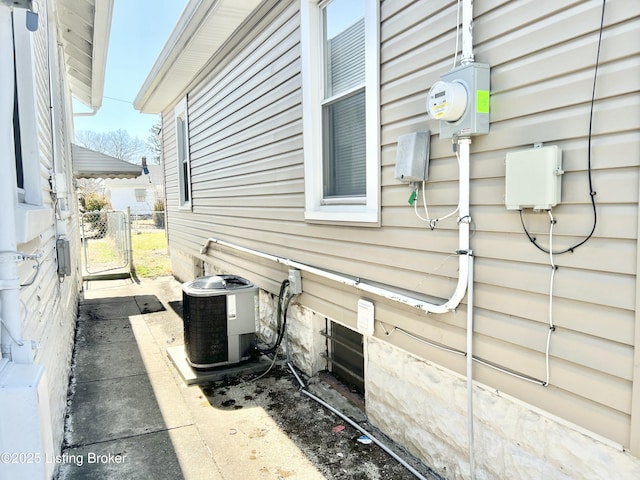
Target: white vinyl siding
<point>49,305</point>
<point>252,185</point>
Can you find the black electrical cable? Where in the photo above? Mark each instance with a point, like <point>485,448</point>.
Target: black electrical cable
<point>280,324</point>
<point>592,193</point>
<point>284,322</point>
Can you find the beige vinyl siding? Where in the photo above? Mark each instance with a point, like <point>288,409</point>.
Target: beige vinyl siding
<point>245,142</point>
<point>542,61</point>
<point>247,170</point>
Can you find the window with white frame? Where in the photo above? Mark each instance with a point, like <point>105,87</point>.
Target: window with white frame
<point>182,154</point>
<point>32,218</point>
<point>341,110</point>
<point>25,123</point>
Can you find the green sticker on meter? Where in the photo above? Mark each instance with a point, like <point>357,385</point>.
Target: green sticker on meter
<point>482,101</point>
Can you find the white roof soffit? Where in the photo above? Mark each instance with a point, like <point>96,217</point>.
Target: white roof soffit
<point>88,163</point>
<point>203,27</point>
<point>85,26</point>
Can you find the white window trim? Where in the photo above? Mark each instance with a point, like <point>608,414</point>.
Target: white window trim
<point>25,74</point>
<point>312,88</point>
<point>31,217</point>
<point>181,112</point>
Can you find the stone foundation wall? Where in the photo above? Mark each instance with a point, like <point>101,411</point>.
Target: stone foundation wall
<point>424,408</point>
<point>303,339</point>
<point>185,267</point>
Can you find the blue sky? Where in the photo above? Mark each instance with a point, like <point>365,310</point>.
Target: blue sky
<point>139,30</point>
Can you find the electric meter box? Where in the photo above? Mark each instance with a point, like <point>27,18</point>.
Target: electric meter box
<point>412,157</point>
<point>533,178</point>
<point>469,108</point>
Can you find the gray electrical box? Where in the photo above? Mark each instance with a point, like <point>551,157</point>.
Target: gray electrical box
<point>533,178</point>
<point>475,77</point>
<point>64,257</point>
<point>412,157</point>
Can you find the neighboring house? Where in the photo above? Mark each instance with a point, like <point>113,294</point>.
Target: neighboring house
<point>46,59</point>
<point>282,170</point>
<point>138,193</point>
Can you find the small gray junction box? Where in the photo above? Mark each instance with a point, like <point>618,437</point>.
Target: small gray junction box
<point>412,157</point>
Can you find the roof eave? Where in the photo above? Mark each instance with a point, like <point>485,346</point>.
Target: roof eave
<point>84,32</point>
<point>101,34</point>
<point>185,28</point>
<point>181,60</point>
<point>89,163</point>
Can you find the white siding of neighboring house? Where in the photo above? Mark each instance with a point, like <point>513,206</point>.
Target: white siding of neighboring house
<point>52,301</point>
<point>245,137</point>
<point>49,305</point>
<point>122,193</point>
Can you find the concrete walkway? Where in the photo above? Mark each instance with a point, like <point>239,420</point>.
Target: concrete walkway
<point>132,417</point>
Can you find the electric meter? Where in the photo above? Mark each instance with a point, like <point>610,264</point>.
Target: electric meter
<point>447,101</point>
<point>460,100</point>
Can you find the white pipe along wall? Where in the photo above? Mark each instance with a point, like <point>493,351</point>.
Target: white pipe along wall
<point>463,252</point>
<point>465,278</point>
<point>12,344</point>
<point>464,146</point>
<point>465,274</point>
<point>467,32</point>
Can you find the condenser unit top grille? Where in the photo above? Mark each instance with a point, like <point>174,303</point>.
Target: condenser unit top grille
<point>215,284</point>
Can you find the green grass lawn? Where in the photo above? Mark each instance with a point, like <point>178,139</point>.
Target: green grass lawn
<point>150,255</point>
<point>102,251</point>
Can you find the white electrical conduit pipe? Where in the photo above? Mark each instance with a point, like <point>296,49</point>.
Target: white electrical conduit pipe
<point>463,252</point>
<point>464,154</point>
<point>472,462</point>
<point>9,281</point>
<point>465,279</point>
<point>466,58</point>
<point>465,282</point>
<point>448,306</point>
<point>303,389</point>
<point>467,32</point>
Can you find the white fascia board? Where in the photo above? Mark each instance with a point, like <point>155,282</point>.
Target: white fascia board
<point>197,21</point>
<point>187,25</point>
<point>101,33</point>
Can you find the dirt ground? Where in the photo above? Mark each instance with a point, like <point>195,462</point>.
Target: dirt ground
<point>330,443</point>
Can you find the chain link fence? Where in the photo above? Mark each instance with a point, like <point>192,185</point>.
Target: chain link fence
<point>105,241</point>
<point>149,241</point>
<point>116,243</point>
<point>141,223</point>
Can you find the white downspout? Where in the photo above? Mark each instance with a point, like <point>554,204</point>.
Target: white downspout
<point>93,111</point>
<point>11,341</point>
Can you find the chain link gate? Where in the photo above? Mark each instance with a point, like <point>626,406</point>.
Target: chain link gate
<point>105,237</point>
